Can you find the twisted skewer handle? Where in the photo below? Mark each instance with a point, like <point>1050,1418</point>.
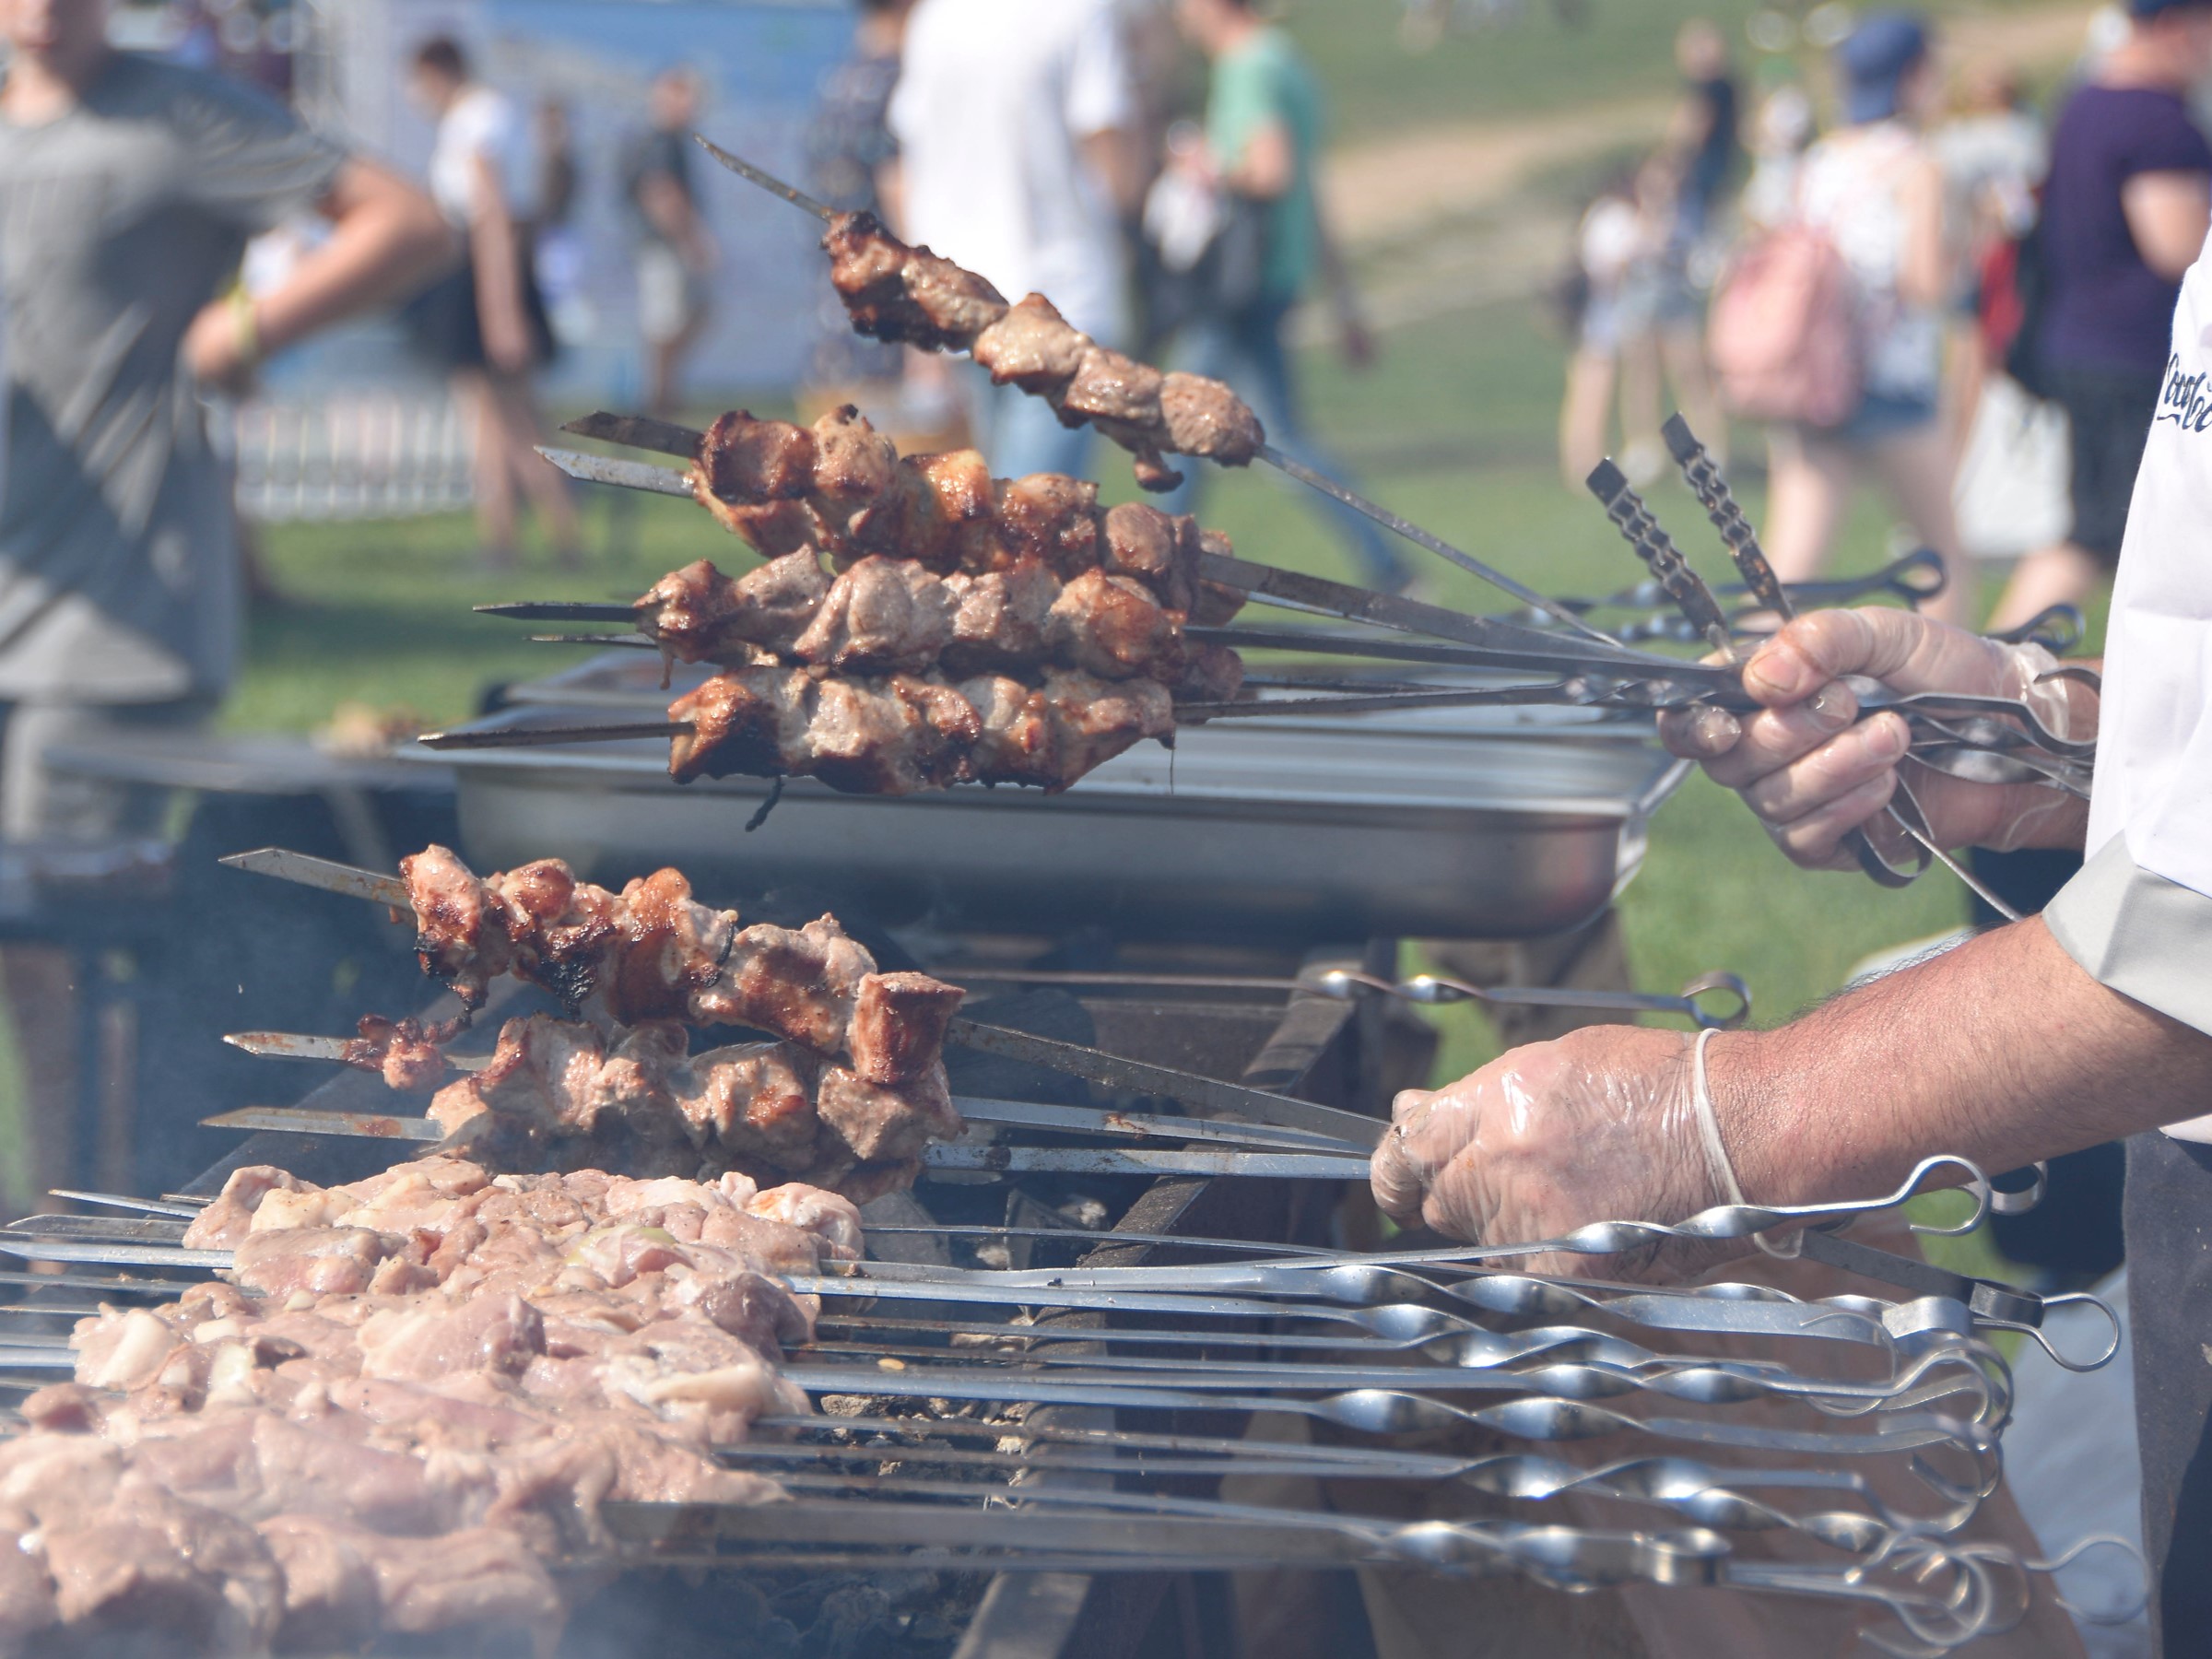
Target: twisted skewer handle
<point>1660,557</point>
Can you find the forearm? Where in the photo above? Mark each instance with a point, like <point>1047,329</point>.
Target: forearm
<point>499,279</point>
<point>387,239</point>
<point>2004,1050</point>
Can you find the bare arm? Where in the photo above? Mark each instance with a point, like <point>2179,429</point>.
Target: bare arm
<point>2167,214</point>
<point>1269,165</point>
<point>387,237</point>
<point>669,209</point>
<point>1925,276</point>
<point>1112,156</point>
<point>2005,1051</point>
<point>491,241</point>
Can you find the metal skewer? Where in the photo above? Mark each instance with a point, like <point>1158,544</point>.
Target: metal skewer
<point>1264,583</point>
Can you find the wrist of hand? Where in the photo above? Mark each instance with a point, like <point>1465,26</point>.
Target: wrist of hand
<point>246,330</point>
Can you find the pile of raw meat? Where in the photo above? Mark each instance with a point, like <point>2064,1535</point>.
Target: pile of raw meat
<point>403,1411</point>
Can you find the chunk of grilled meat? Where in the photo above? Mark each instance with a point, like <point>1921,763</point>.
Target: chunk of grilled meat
<point>895,292</point>
<point>908,732</point>
<point>653,953</point>
<point>558,1091</point>
<point>943,510</point>
<point>904,295</point>
<point>407,1053</point>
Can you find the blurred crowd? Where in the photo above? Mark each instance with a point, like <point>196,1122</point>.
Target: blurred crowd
<point>1062,150</point>
<point>1865,291</point>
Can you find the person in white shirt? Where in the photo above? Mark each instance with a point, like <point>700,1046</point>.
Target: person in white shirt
<point>2091,1021</point>
<point>485,324</point>
<point>1014,121</point>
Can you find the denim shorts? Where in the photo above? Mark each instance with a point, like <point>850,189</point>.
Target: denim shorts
<point>1882,414</point>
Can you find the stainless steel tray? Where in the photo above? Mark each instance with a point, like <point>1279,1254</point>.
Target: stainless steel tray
<point>1436,824</point>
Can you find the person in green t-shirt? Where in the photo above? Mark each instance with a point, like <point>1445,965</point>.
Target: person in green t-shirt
<point>1264,125</point>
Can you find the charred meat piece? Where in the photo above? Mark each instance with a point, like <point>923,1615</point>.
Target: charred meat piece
<point>1211,674</point>
<point>1052,517</point>
<point>901,294</point>
<point>1053,735</point>
<point>743,722</point>
<point>754,1105</point>
<point>1152,471</point>
<point>1108,386</point>
<point>403,1052</point>
<point>773,529</point>
<point>1216,603</point>
<point>999,621</point>
<point>882,1123</point>
<point>1032,347</point>
<point>880,615</point>
<point>671,947</point>
<point>1204,417</point>
<point>696,612</point>
<point>937,510</point>
<point>754,462</point>
<point>1112,627</point>
<point>461,935</point>
<point>1096,720</point>
<point>1148,546</point>
<point>854,465</point>
<point>897,1027</point>
<point>799,983</point>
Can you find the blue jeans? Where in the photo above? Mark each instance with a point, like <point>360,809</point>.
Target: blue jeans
<point>1248,351</point>
<point>1019,434</point>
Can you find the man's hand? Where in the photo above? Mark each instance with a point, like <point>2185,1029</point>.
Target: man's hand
<point>216,351</point>
<point>1598,1126</point>
<point>1813,770</point>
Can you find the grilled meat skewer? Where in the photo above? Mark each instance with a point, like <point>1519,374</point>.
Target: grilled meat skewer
<point>841,486</point>
<point>898,293</point>
<point>653,953</point>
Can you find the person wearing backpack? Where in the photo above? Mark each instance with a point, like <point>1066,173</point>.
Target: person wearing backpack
<point>2124,211</point>
<point>1831,328</point>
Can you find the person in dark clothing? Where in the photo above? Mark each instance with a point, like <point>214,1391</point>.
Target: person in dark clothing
<point>2126,211</point>
<point>675,255</point>
<point>849,144</point>
<point>1706,123</point>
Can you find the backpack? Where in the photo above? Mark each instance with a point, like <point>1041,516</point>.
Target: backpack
<point>2014,296</point>
<point>1783,337</point>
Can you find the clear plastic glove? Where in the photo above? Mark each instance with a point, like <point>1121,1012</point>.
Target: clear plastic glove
<point>1600,1125</point>
<point>1813,771</point>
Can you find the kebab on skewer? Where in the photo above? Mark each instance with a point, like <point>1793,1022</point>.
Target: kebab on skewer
<point>847,1097</point>
<point>902,294</point>
<point>995,632</point>
<point>563,1094</point>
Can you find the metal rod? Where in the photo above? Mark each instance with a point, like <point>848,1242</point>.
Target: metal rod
<point>331,877</point>
<point>768,182</point>
<point>501,737</point>
<point>638,431</point>
<point>622,475</point>
<point>1434,543</point>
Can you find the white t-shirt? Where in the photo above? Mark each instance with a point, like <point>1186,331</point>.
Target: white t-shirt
<point>994,97</point>
<point>1852,187</point>
<point>483,123</point>
<point>2147,930</point>
<point>2154,751</point>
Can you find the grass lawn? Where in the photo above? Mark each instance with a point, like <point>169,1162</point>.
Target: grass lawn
<point>1621,48</point>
